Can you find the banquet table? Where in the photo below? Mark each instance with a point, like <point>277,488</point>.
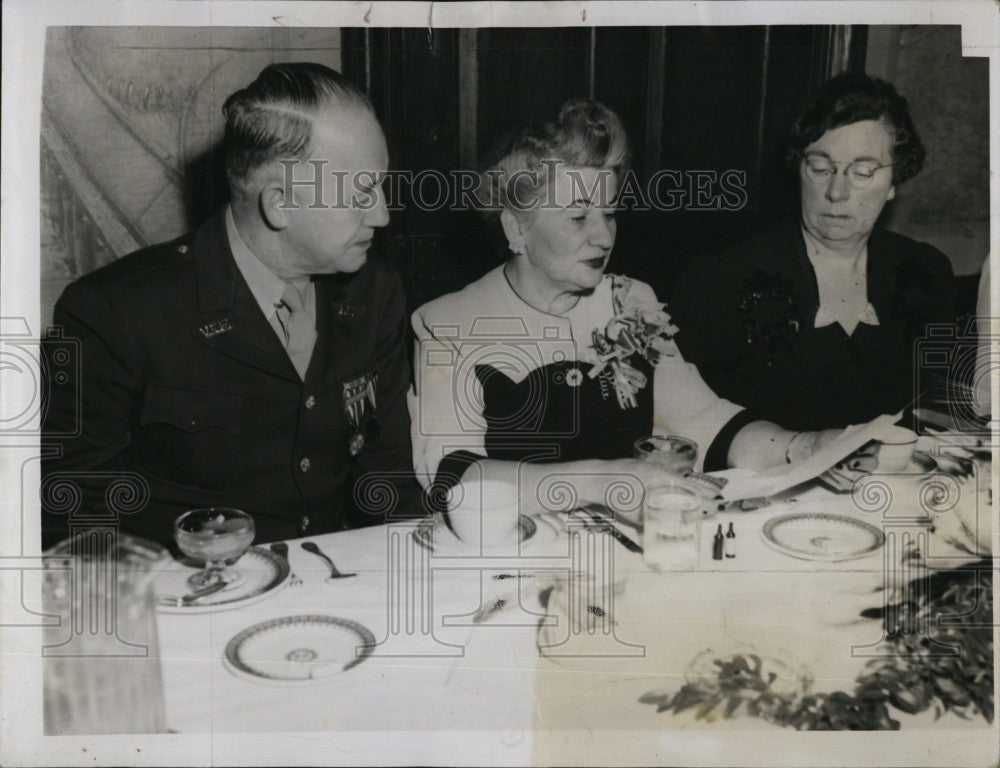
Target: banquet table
<point>550,683</point>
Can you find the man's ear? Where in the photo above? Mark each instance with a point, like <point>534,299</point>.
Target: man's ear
<point>512,229</point>
<point>271,201</point>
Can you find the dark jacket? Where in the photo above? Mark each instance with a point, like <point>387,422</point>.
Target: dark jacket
<point>746,320</point>
<point>185,392</point>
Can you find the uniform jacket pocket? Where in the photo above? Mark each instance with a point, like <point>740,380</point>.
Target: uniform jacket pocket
<point>190,437</point>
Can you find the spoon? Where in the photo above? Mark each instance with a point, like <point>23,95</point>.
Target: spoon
<point>310,546</point>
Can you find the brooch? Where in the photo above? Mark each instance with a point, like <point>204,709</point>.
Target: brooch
<point>769,313</point>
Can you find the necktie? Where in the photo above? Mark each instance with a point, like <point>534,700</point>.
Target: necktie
<point>298,327</point>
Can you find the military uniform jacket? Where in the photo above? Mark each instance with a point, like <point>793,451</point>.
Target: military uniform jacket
<point>184,387</point>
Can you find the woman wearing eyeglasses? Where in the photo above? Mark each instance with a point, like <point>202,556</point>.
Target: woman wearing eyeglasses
<point>813,323</point>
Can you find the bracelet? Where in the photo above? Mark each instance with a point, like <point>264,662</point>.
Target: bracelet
<point>788,448</point>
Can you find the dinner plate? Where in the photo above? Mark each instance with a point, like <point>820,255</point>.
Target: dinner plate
<point>263,571</point>
<point>821,536</point>
<point>298,649</point>
<point>434,527</point>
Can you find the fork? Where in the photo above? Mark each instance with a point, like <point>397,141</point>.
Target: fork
<point>179,601</point>
<point>280,548</point>
<point>310,546</point>
<point>603,523</point>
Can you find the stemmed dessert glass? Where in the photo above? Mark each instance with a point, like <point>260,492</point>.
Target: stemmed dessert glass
<point>218,536</point>
<point>674,454</point>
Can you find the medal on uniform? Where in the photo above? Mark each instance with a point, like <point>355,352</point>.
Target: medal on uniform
<point>359,407</point>
<point>357,443</point>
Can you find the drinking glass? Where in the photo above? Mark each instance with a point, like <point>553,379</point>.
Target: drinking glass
<point>214,535</point>
<point>101,671</point>
<point>672,515</point>
<point>674,454</point>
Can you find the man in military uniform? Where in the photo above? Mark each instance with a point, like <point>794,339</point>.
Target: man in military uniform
<point>260,363</point>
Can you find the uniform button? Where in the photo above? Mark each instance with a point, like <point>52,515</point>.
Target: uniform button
<point>305,464</point>
<point>305,522</point>
<point>310,402</point>
<point>182,249</point>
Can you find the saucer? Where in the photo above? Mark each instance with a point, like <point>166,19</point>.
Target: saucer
<point>432,532</point>
<point>821,536</point>
<point>298,649</point>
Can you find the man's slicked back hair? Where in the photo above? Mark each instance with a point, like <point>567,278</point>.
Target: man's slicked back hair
<point>272,118</point>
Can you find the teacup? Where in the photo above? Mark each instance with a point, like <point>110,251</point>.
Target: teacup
<point>484,512</point>
<point>896,449</point>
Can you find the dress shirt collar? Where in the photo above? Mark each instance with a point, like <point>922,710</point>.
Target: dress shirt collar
<point>825,317</point>
<point>267,288</point>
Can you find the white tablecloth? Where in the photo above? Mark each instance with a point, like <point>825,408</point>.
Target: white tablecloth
<point>446,673</point>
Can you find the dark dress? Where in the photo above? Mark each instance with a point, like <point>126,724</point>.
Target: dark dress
<point>747,321</point>
<point>496,378</point>
<point>542,419</point>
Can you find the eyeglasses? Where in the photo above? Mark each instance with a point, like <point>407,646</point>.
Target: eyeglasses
<point>820,169</point>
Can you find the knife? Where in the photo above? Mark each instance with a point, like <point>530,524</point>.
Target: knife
<point>620,537</point>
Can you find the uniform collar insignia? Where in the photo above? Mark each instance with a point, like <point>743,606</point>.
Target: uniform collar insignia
<point>347,310</point>
<point>215,328</point>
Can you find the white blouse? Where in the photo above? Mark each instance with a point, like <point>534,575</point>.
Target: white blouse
<point>488,323</point>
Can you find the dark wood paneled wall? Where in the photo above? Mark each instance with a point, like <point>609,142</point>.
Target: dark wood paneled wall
<point>692,99</point>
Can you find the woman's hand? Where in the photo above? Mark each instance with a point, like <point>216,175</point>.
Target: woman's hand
<point>802,445</point>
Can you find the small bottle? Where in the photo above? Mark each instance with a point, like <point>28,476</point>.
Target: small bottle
<point>717,544</point>
<point>730,546</point>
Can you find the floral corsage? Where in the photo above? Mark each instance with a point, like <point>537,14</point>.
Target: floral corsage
<point>639,326</point>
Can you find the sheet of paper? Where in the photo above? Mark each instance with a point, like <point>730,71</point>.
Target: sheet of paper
<point>772,481</point>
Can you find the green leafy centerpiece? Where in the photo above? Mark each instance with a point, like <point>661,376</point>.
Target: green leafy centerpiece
<point>947,666</point>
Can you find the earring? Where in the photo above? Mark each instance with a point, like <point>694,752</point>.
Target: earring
<point>517,249</point>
